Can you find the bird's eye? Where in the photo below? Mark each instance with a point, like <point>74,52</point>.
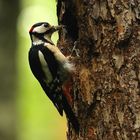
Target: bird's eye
<point>46,25</point>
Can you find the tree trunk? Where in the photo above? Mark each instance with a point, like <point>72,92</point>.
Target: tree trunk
<point>106,87</point>
<point>8,16</point>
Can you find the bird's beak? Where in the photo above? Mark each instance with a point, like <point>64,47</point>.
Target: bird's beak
<point>53,29</point>
<point>57,28</point>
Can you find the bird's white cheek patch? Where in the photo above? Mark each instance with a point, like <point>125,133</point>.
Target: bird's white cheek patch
<point>45,67</point>
<point>40,29</point>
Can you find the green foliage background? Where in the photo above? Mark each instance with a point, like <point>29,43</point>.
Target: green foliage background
<point>38,119</point>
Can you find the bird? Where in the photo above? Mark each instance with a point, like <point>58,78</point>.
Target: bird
<point>52,69</point>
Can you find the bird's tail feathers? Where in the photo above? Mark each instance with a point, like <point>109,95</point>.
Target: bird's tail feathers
<point>70,114</point>
<point>61,103</point>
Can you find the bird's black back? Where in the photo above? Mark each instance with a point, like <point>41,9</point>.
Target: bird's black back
<point>35,64</point>
<point>51,89</point>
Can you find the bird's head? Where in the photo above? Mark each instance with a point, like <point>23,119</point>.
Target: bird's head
<point>42,32</point>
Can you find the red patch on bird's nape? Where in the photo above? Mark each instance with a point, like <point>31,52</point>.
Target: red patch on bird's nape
<point>31,29</point>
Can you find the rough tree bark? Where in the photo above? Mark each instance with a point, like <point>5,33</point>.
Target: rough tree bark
<point>106,87</point>
<point>8,18</point>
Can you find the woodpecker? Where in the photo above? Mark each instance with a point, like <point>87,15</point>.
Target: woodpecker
<point>51,68</point>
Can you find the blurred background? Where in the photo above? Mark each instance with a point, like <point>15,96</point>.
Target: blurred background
<point>25,111</point>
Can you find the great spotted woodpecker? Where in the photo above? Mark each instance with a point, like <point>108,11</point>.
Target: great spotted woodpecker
<point>51,68</point>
